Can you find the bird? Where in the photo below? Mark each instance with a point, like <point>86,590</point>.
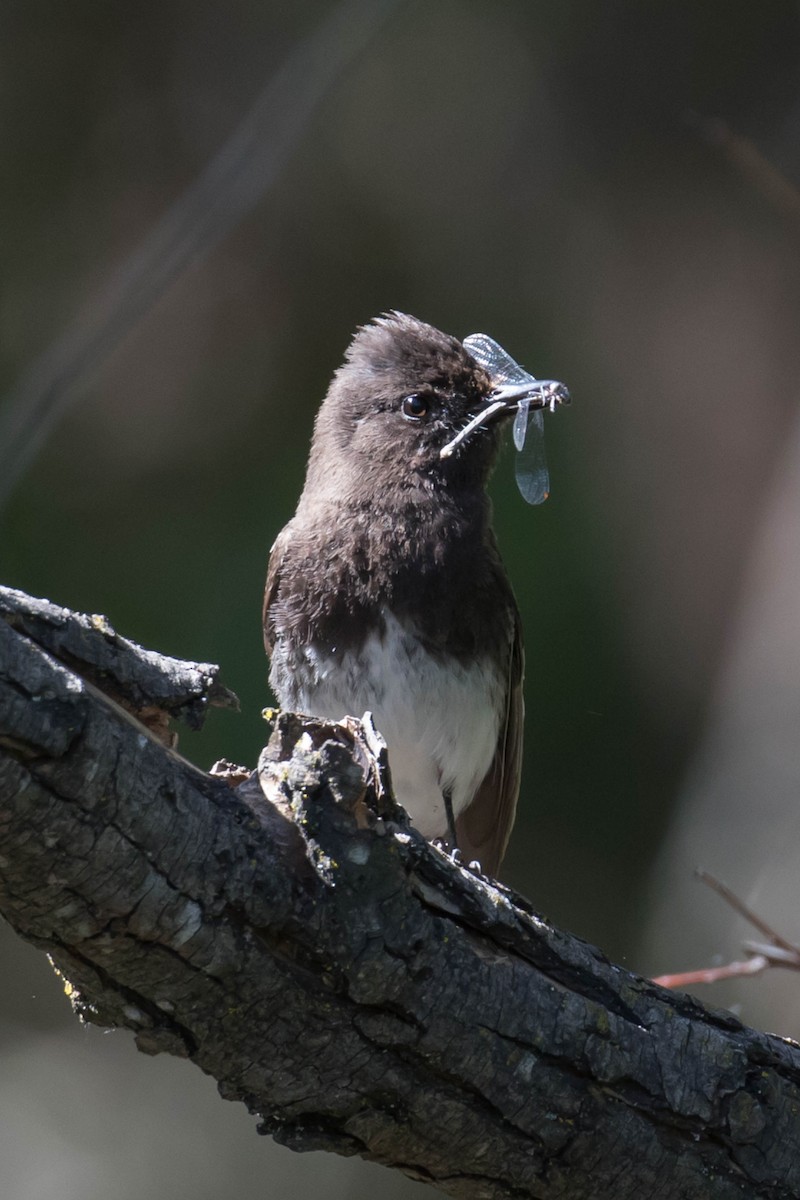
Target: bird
<point>386,591</point>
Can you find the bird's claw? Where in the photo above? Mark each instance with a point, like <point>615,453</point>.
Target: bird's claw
<point>451,852</point>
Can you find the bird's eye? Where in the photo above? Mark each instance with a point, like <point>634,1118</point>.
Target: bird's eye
<point>415,407</point>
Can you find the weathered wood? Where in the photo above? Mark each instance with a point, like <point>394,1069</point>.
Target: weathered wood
<point>140,680</point>
<point>300,942</point>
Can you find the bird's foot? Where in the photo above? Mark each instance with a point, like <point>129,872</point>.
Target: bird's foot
<point>451,852</point>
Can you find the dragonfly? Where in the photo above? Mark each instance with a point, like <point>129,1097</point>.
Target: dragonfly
<point>532,475</point>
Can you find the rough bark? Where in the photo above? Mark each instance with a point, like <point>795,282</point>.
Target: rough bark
<point>361,993</point>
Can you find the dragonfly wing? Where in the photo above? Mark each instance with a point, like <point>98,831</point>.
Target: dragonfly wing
<point>533,478</point>
<point>521,424</point>
<point>494,359</point>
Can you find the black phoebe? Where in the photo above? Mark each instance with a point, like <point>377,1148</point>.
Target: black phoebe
<point>386,591</point>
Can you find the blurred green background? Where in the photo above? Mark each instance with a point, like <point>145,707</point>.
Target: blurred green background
<point>546,173</point>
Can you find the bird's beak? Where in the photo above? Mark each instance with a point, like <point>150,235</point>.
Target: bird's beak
<point>504,401</point>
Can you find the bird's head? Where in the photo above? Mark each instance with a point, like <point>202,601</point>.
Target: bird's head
<point>403,394</point>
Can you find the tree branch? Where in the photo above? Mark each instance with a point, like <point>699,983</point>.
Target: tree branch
<point>300,942</point>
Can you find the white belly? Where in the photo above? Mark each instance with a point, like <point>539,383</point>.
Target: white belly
<point>441,726</point>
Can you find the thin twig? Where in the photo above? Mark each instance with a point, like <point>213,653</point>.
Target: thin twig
<point>753,918</point>
<point>750,966</point>
<point>779,953</point>
<point>753,166</point>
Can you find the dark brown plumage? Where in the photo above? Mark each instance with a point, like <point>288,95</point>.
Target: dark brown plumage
<point>386,590</point>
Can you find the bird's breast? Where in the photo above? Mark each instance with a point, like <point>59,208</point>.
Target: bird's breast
<point>440,715</point>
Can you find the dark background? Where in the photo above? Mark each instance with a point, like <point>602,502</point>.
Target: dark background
<point>566,177</point>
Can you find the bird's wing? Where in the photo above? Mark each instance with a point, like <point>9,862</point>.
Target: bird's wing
<point>276,557</point>
<point>484,827</point>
